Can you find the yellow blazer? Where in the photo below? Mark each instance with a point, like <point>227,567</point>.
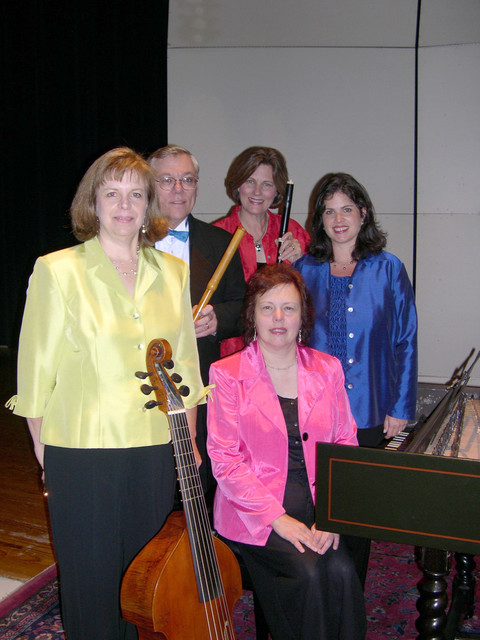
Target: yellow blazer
<point>83,338</point>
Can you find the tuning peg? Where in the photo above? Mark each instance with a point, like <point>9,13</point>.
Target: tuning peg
<point>142,374</point>
<point>184,390</point>
<point>151,404</point>
<point>168,364</point>
<point>176,378</point>
<point>147,389</point>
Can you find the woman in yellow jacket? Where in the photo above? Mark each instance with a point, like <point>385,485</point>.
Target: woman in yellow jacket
<point>90,314</point>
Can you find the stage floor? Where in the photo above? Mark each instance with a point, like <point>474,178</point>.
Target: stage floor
<point>25,548</point>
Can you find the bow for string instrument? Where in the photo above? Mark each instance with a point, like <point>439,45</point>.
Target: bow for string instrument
<point>184,582</point>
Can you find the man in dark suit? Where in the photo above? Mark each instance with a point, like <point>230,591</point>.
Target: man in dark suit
<point>202,246</point>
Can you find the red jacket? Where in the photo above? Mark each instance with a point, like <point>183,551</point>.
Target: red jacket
<point>248,253</point>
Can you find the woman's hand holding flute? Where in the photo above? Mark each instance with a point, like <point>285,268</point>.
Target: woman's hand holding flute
<point>289,247</point>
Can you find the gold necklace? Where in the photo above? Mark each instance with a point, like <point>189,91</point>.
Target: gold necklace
<point>281,368</point>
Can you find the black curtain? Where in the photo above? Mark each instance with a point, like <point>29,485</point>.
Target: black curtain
<point>77,79</point>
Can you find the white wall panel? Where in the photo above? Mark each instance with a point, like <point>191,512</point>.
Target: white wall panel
<point>283,23</point>
<point>449,129</point>
<point>325,109</point>
<point>448,299</point>
<point>448,262</point>
<point>309,79</point>
<point>446,22</point>
<point>399,228</point>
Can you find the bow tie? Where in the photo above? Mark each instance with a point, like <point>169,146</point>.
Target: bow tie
<point>179,235</point>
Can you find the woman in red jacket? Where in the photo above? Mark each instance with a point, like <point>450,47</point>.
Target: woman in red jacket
<point>256,182</point>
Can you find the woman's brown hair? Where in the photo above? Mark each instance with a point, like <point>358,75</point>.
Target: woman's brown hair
<point>370,240</point>
<point>248,162</point>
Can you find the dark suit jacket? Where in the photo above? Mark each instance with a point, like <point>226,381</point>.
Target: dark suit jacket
<point>207,246</point>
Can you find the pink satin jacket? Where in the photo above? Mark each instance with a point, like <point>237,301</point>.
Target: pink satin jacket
<point>247,435</point>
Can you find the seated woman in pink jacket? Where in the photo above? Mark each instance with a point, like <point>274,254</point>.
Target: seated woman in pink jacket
<point>270,404</point>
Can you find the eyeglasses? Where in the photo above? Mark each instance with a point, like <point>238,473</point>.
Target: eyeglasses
<point>167,183</point>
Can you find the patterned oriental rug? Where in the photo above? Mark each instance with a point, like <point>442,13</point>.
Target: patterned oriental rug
<point>390,595</point>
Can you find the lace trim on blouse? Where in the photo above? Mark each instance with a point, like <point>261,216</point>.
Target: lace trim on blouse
<point>337,340</point>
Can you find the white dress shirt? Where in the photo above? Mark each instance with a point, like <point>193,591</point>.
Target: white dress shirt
<point>176,247</point>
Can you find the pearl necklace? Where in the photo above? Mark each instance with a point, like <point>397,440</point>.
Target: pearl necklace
<point>129,273</point>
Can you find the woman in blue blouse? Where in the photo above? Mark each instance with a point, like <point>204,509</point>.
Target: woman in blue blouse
<point>364,308</point>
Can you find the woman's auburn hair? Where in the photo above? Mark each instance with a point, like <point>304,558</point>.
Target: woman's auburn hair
<point>264,279</point>
<point>248,162</point>
<point>115,164</point>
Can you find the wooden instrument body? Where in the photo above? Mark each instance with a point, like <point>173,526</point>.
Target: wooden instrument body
<point>184,582</point>
<point>432,501</point>
<point>159,592</point>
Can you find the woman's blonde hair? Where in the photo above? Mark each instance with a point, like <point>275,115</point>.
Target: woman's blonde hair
<point>115,164</point>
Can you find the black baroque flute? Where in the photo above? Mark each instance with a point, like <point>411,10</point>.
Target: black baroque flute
<point>286,214</point>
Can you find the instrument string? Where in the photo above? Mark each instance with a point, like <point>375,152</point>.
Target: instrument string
<point>450,435</point>
<point>209,580</point>
<point>211,610</point>
<point>213,592</point>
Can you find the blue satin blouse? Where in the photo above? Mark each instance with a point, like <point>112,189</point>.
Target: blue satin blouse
<point>381,321</point>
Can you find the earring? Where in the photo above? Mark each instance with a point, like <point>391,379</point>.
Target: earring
<point>254,333</point>
<point>143,229</point>
<point>299,336</point>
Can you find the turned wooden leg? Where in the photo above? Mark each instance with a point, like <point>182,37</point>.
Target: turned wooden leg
<point>432,603</point>
<point>464,580</point>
